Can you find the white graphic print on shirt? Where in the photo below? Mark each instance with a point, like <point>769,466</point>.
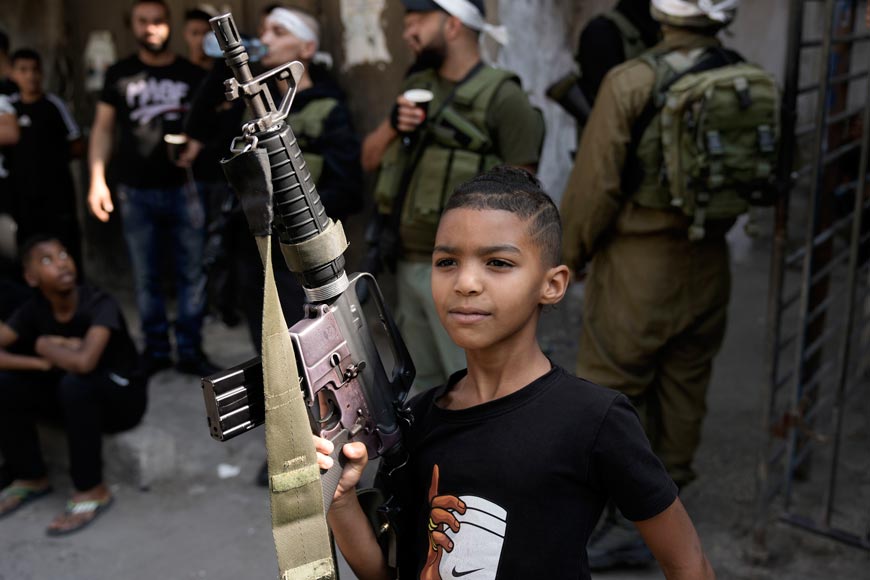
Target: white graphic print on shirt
<point>477,545</point>
<point>149,98</point>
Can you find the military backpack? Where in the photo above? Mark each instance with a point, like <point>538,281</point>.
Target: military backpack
<point>708,141</point>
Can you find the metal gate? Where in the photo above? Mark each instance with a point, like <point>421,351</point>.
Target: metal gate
<point>819,307</point>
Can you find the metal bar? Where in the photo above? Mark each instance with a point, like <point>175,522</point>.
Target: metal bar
<point>798,460</point>
<point>847,39</point>
<point>824,236</point>
<point>817,344</point>
<point>834,119</point>
<point>776,453</point>
<point>805,130</point>
<point>811,386</point>
<point>827,531</point>
<point>786,342</point>
<point>851,284</point>
<point>837,80</point>
<point>795,256</point>
<point>790,301</point>
<point>777,267</point>
<point>819,310</point>
<point>840,152</point>
<point>829,267</point>
<point>821,117</point>
<point>783,381</point>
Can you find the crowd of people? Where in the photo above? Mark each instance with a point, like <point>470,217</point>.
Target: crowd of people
<point>477,249</point>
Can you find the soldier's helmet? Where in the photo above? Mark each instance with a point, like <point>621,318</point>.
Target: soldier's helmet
<point>700,14</point>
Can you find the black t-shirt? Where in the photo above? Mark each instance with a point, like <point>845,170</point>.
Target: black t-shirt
<point>7,88</point>
<point>35,318</point>
<point>39,163</point>
<point>149,102</point>
<point>533,470</point>
<point>601,44</point>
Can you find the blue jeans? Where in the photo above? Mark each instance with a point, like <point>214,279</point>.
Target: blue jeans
<point>166,220</point>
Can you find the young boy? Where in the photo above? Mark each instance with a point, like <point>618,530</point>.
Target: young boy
<point>512,461</point>
<point>81,368</point>
<point>39,164</point>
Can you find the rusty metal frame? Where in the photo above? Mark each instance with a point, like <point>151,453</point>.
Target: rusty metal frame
<point>789,449</point>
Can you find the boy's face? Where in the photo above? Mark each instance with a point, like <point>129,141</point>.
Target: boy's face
<point>27,74</point>
<point>489,278</point>
<point>194,31</point>
<point>50,268</point>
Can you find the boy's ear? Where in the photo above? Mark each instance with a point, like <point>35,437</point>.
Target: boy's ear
<point>555,284</point>
<point>31,278</point>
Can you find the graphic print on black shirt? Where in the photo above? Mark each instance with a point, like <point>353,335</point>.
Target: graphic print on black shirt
<point>149,102</point>
<point>466,535</point>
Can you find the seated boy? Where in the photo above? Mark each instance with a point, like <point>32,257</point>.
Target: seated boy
<point>512,461</point>
<point>81,370</point>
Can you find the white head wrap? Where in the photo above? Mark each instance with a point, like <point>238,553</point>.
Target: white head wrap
<point>722,11</point>
<point>296,26</point>
<point>471,17</point>
<point>291,22</point>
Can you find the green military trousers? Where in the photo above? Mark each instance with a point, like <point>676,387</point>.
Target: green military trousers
<point>654,317</point>
<point>435,356</point>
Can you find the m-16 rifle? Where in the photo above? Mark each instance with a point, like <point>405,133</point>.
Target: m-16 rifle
<point>346,387</point>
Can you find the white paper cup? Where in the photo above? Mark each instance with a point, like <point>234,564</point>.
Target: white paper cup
<point>420,97</point>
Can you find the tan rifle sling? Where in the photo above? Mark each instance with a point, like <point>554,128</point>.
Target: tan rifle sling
<point>299,527</point>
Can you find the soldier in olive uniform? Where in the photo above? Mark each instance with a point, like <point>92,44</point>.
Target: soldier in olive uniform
<point>655,302</point>
<point>479,117</point>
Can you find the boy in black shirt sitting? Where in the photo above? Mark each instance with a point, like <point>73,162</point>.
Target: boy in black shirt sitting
<point>512,461</point>
<point>81,367</point>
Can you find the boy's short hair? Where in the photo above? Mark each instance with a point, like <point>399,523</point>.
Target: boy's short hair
<point>515,190</point>
<point>25,252</point>
<point>26,54</point>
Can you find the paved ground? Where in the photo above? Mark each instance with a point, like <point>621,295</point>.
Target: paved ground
<point>200,525</point>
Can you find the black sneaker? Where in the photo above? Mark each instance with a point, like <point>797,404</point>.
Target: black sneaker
<point>197,365</point>
<point>617,544</point>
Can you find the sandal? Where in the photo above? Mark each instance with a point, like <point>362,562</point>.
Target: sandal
<point>21,496</point>
<point>81,513</point>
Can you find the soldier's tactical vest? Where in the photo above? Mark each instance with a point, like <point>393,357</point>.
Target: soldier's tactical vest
<point>307,124</point>
<point>453,146</point>
<point>711,141</point>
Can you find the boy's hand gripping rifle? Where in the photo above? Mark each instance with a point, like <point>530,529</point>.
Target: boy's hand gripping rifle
<point>342,381</point>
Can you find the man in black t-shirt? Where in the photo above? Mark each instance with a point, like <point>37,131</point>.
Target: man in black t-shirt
<point>73,360</point>
<point>42,184</point>
<point>8,122</point>
<point>146,95</point>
